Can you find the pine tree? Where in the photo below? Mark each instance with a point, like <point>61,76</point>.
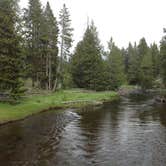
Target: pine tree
<point>49,42</point>
<point>87,62</point>
<point>126,56</point>
<point>146,71</point>
<point>33,21</point>
<point>155,60</point>
<point>10,49</point>
<point>145,60</point>
<point>134,65</point>
<point>116,66</point>
<point>65,42</point>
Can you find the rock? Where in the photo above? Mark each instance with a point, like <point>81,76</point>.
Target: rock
<point>161,99</point>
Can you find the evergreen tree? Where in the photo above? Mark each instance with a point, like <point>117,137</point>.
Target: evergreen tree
<point>134,65</point>
<point>65,42</point>
<point>145,60</point>
<point>146,71</point>
<point>50,48</point>
<point>33,19</point>
<point>116,66</point>
<point>87,62</point>
<point>163,58</point>
<point>10,49</point>
<point>155,60</point>
<point>126,56</point>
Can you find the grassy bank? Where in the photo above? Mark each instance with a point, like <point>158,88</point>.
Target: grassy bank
<point>62,99</point>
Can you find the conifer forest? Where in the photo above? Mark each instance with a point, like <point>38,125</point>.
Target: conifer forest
<point>36,45</point>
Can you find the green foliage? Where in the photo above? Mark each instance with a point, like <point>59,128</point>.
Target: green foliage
<point>146,71</point>
<point>10,50</point>
<point>143,65</point>
<point>41,36</point>
<point>133,74</point>
<point>66,33</point>
<point>50,49</point>
<point>33,22</point>
<point>30,46</point>
<point>87,62</point>
<point>67,76</point>
<point>163,59</point>
<point>155,60</point>
<point>144,53</point>
<point>116,66</point>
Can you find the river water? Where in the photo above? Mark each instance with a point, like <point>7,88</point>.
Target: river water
<point>131,132</point>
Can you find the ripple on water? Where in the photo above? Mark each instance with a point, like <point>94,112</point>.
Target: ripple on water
<point>129,133</point>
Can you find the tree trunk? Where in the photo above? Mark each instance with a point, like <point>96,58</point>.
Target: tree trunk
<point>50,73</point>
<point>47,71</point>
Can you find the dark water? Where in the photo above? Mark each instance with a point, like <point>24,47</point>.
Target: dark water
<point>128,133</point>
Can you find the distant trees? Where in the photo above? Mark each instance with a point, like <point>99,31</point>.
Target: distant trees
<point>116,66</point>
<point>155,60</point>
<point>136,65</point>
<point>163,58</point>
<point>145,60</point>
<point>143,64</point>
<point>10,49</point>
<point>133,73</point>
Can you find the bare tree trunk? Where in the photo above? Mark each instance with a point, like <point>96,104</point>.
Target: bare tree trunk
<point>55,85</point>
<point>61,62</point>
<point>47,72</point>
<point>56,80</point>
<point>50,73</point>
<point>33,82</point>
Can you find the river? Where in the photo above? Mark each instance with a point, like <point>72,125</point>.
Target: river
<point>131,132</point>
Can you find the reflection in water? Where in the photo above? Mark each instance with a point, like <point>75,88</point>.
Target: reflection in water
<point>129,133</point>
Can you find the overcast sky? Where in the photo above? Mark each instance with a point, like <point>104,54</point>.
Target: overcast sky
<point>124,20</point>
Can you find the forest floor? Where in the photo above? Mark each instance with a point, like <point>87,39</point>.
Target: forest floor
<point>33,104</point>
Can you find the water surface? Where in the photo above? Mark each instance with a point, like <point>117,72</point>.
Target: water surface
<point>131,132</point>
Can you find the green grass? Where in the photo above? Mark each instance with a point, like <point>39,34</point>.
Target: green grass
<point>63,99</point>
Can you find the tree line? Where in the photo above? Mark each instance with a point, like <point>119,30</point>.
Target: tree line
<point>139,64</point>
<point>35,45</point>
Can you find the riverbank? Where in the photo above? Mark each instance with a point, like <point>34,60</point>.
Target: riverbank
<point>126,90</point>
<point>60,100</point>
